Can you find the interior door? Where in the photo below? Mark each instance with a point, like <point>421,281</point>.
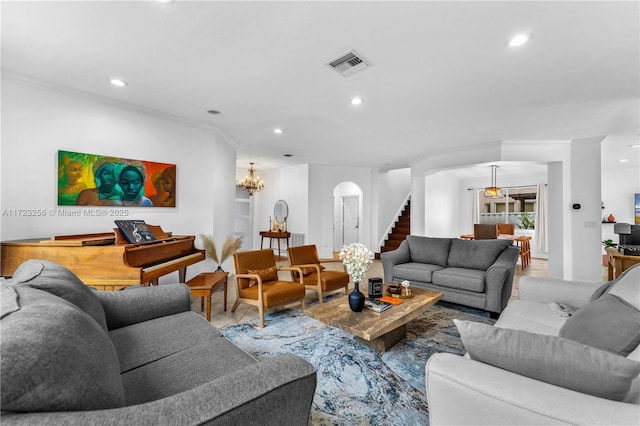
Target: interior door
<point>350,219</point>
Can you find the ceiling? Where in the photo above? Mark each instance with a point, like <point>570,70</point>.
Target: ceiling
<point>442,76</point>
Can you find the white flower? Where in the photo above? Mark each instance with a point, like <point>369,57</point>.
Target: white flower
<point>356,257</point>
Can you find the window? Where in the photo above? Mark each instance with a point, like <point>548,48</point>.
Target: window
<point>518,207</point>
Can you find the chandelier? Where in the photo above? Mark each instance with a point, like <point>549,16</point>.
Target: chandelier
<point>251,182</point>
<point>493,191</point>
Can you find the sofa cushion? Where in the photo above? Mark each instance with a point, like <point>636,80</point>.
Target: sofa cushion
<point>475,254</point>
<point>141,343</point>
<point>183,370</point>
<point>607,323</point>
<point>554,360</point>
<point>61,282</point>
<point>461,278</point>
<point>530,316</point>
<point>54,357</point>
<point>421,272</point>
<point>429,250</point>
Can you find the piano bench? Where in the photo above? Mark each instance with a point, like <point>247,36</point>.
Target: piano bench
<point>205,284</point>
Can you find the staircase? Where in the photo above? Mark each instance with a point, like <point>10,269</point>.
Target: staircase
<point>399,231</point>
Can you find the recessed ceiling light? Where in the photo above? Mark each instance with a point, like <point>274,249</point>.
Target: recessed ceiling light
<point>165,1</point>
<point>623,160</point>
<point>288,155</point>
<point>214,112</point>
<point>519,40</point>
<point>118,82</point>
<point>356,101</point>
<point>635,145</point>
<point>278,131</point>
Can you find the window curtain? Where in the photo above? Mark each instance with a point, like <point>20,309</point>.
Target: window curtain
<point>541,235</point>
<point>475,209</point>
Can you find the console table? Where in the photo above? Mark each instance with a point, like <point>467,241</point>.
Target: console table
<point>274,235</point>
<point>618,262</point>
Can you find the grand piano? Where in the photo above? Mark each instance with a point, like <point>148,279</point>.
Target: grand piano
<point>107,261</point>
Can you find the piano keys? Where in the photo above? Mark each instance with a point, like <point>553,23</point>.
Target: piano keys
<point>106,260</point>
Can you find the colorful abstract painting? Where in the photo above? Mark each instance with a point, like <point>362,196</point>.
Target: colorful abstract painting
<point>97,180</point>
<point>637,209</point>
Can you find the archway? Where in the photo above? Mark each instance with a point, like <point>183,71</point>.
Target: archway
<point>347,213</point>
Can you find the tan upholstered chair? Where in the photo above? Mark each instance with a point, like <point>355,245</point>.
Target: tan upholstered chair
<point>485,232</point>
<point>309,271</point>
<point>506,228</point>
<point>257,282</point>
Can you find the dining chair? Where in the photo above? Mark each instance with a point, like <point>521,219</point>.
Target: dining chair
<point>506,228</point>
<point>308,270</point>
<point>257,282</point>
<point>485,232</point>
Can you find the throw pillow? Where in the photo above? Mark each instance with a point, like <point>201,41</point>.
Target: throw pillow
<point>54,357</point>
<point>308,270</point>
<point>269,274</point>
<point>61,282</point>
<point>479,254</point>
<point>607,323</point>
<point>554,360</point>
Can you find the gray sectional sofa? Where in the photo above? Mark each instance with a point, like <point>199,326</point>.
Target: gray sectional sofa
<point>473,273</point>
<point>540,367</point>
<point>73,355</point>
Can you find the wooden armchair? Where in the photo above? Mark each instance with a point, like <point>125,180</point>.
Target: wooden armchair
<point>257,282</point>
<point>485,232</point>
<point>307,269</point>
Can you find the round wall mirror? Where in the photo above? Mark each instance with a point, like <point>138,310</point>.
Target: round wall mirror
<point>280,211</point>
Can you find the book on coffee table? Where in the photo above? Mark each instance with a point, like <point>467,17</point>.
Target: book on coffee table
<point>377,306</point>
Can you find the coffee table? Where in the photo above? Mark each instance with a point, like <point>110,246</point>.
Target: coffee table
<point>378,331</point>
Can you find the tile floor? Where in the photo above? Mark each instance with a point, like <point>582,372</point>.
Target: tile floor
<point>220,319</point>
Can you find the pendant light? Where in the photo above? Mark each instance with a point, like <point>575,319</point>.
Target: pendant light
<point>493,191</point>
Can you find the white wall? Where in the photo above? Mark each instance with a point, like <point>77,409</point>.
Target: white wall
<point>37,121</point>
<point>443,205</point>
<point>322,181</point>
<point>586,221</point>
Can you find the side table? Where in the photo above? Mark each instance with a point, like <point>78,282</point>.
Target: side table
<point>619,262</point>
<point>205,284</point>
<point>277,235</point>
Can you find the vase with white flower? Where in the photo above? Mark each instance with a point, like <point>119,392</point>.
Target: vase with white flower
<point>357,258</point>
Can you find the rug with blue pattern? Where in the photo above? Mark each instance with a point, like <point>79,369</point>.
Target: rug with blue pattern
<point>358,385</point>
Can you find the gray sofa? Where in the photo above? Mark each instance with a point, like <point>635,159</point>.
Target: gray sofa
<point>473,273</point>
<point>538,367</point>
<point>73,355</point>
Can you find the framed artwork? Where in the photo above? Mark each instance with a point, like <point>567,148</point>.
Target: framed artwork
<point>637,209</point>
<point>98,180</point>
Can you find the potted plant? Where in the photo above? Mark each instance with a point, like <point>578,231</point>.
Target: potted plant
<point>607,243</point>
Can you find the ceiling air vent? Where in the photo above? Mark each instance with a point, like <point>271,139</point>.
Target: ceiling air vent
<point>349,63</point>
